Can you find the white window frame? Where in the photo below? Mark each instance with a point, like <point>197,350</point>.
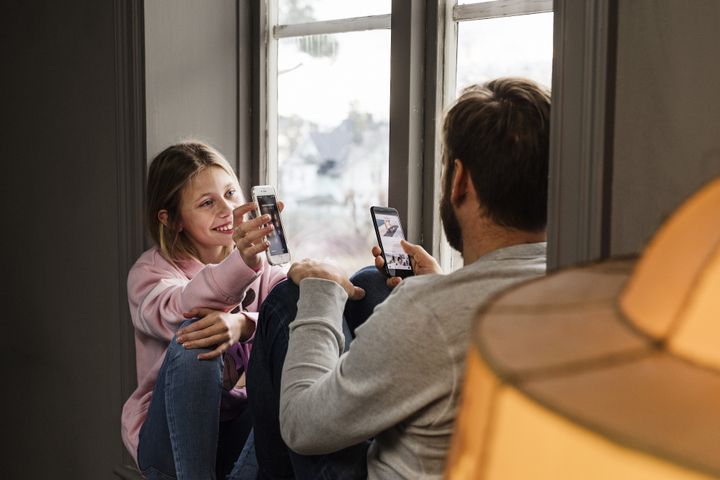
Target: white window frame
<point>273,33</point>
<point>581,118</point>
<point>455,14</point>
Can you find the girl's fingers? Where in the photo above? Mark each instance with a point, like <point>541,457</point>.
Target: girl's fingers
<point>208,341</point>
<point>240,211</point>
<point>255,223</point>
<point>256,249</point>
<point>196,326</point>
<point>256,235</point>
<point>208,331</point>
<point>215,353</point>
<point>247,230</point>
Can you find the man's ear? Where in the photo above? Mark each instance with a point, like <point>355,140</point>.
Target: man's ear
<point>460,181</point>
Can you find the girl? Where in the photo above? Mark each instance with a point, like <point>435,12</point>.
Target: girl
<point>187,416</point>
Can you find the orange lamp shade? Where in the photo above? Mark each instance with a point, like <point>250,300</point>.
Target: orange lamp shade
<point>603,371</point>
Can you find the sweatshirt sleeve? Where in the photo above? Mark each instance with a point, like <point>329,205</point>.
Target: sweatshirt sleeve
<point>159,294</point>
<point>330,400</point>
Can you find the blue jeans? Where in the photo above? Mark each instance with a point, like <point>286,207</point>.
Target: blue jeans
<point>182,436</point>
<point>275,460</point>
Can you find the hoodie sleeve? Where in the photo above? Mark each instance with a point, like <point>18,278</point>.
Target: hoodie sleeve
<point>159,293</point>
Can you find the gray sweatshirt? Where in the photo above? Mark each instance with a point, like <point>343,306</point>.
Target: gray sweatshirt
<point>399,382</point>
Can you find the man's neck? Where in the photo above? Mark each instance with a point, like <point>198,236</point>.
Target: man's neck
<point>486,236</point>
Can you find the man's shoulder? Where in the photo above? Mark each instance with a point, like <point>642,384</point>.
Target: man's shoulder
<point>475,282</point>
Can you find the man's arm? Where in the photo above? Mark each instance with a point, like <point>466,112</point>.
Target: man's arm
<point>331,400</point>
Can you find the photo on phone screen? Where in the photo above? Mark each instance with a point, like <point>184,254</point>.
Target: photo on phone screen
<point>267,205</point>
<point>389,233</point>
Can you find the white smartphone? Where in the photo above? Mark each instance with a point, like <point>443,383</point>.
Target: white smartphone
<point>389,232</point>
<point>265,198</point>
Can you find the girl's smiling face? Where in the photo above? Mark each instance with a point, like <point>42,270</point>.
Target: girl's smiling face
<point>206,212</point>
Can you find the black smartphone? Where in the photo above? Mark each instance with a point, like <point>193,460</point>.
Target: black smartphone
<point>389,233</point>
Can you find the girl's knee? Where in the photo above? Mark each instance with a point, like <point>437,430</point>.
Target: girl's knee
<point>188,357</point>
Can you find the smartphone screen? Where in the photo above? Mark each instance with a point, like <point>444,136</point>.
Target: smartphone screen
<point>389,233</point>
<point>268,206</point>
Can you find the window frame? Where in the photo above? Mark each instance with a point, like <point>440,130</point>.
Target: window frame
<point>273,32</point>
<point>582,116</point>
<point>454,15</point>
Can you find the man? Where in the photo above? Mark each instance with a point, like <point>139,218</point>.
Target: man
<point>385,408</point>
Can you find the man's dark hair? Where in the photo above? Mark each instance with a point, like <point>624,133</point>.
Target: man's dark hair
<point>500,131</point>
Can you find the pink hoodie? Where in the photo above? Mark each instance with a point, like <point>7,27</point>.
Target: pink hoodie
<point>159,292</point>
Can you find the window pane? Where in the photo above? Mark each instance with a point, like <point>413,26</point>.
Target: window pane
<point>303,11</point>
<point>508,46</point>
<point>333,108</point>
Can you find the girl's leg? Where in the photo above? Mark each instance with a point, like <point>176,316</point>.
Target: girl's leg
<point>179,437</point>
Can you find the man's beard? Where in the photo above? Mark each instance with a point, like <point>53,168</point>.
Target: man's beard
<point>450,222</point>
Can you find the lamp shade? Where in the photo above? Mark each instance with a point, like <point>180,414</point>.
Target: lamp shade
<point>604,371</point>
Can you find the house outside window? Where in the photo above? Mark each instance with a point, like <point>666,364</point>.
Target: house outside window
<point>332,117</point>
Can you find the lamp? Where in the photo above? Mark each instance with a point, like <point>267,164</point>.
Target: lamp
<point>604,371</point>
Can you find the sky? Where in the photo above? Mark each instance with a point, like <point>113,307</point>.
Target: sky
<point>323,90</point>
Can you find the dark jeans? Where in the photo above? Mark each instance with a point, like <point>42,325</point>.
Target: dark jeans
<point>275,459</point>
<point>183,436</point>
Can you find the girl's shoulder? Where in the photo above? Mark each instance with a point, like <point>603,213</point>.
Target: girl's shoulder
<point>152,259</point>
<point>153,263</point>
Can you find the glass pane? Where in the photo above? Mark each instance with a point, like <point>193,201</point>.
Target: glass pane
<point>509,46</point>
<point>303,11</point>
<point>333,142</point>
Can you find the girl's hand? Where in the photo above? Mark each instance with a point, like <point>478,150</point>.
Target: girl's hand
<point>214,329</point>
<point>250,234</point>
<point>422,262</point>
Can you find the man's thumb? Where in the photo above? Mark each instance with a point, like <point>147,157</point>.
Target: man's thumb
<point>407,246</point>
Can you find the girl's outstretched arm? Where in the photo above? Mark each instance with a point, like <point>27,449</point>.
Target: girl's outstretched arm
<point>160,293</point>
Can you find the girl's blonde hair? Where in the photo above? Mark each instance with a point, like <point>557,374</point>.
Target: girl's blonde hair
<point>169,172</point>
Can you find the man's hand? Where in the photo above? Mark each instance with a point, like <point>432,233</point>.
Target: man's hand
<point>214,329</point>
<point>311,269</point>
<point>421,261</point>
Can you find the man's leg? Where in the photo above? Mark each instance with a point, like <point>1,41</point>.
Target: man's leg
<point>179,437</point>
<point>231,441</point>
<point>263,380</point>
<point>374,283</point>
<point>275,460</point>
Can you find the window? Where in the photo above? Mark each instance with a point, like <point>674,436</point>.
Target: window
<point>491,39</point>
<point>328,97</point>
<point>332,86</point>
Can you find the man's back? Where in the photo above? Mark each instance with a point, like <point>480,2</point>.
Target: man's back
<point>401,378</point>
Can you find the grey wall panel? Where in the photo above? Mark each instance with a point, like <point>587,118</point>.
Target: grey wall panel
<point>191,73</point>
<point>62,281</point>
<point>667,124</point>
